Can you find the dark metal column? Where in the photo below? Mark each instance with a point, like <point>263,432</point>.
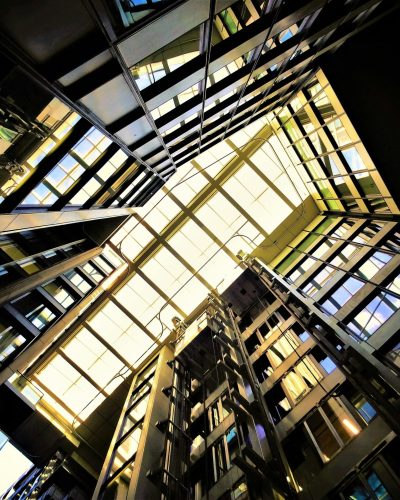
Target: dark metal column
<point>281,465</point>
<point>277,468</point>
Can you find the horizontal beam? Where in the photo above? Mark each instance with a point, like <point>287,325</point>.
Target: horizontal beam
<point>16,222</point>
<point>24,285</point>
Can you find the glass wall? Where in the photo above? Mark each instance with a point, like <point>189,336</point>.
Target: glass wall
<point>322,141</point>
<point>25,318</point>
<point>350,268</point>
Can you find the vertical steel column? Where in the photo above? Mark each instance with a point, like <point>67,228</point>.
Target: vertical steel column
<point>282,474</point>
<point>278,456</point>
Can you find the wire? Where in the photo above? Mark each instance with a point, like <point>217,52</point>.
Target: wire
<point>283,170</point>
<point>128,369</point>
<point>281,167</point>
<point>187,178</point>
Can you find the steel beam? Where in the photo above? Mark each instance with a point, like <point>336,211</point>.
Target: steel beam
<point>45,166</point>
<point>11,292</point>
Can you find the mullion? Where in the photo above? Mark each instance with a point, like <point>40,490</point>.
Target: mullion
<point>76,293</point>
<point>296,151</point>
<point>135,189</point>
<point>87,175</point>
<point>107,184</point>
<point>140,198</point>
<point>86,276</point>
<point>51,302</point>
<point>338,32</point>
<point>82,373</point>
<point>106,344</point>
<point>318,158</point>
<point>217,140</point>
<point>116,195</point>
<point>45,166</point>
<point>131,429</point>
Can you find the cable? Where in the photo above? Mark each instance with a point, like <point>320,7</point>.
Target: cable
<point>280,167</point>
<point>283,170</point>
<point>158,316</point>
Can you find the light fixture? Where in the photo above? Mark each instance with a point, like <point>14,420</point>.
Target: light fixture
<point>350,426</point>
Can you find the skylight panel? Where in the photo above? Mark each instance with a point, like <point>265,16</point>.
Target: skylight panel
<point>161,324</point>
<point>222,206</point>
<point>183,245</point>
<point>242,238</point>
<point>214,222</point>
<point>157,220</point>
<point>177,281</point>
<point>170,264</point>
<point>196,235</point>
<point>141,235</point>
<point>215,158</point>
<point>109,323</point>
<point>215,270</point>
<point>184,193</point>
<point>143,290</point>
<point>251,181</point>
<point>168,207</point>
<point>140,342</point>
<point>191,295</point>
<point>266,162</point>
<point>159,274</point>
<point>69,385</point>
<point>269,219</point>
<point>292,193</point>
<point>234,188</point>
<point>128,343</point>
<point>129,299</point>
<point>130,247</point>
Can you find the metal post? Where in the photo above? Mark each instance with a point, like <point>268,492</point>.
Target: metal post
<point>278,455</point>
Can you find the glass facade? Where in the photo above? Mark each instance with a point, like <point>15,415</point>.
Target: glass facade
<point>28,316</point>
<point>236,151</point>
<point>351,271</point>
<point>321,139</point>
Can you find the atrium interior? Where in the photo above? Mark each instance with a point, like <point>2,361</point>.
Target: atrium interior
<point>199,249</point>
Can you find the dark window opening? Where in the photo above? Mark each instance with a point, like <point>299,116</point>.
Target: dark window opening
<point>262,368</point>
<point>277,403</point>
<point>252,343</point>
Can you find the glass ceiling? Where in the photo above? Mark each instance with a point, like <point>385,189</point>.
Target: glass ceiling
<point>181,245</point>
<point>184,242</point>
<point>195,249</point>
